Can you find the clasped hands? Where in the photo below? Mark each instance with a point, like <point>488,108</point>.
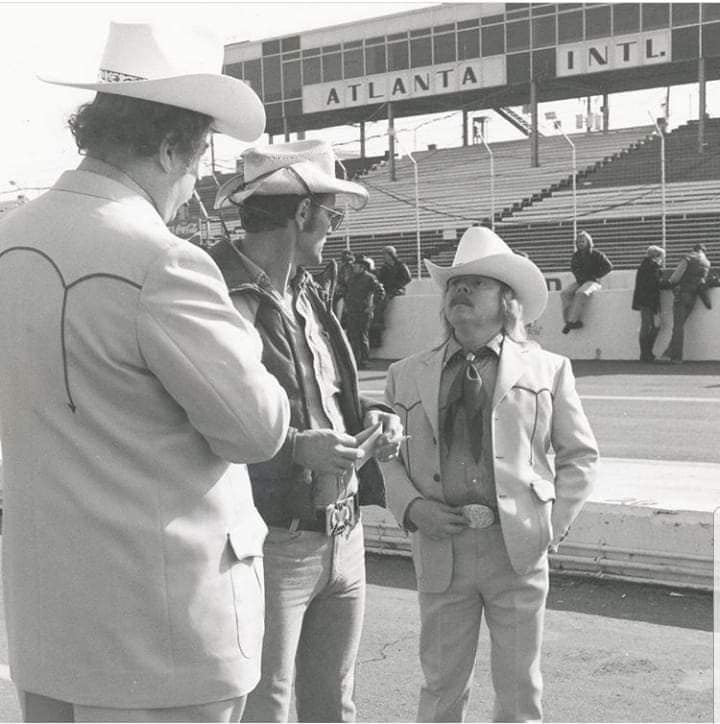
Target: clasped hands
<point>335,453</point>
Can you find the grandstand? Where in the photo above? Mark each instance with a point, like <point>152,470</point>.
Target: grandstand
<point>466,58</point>
<point>618,197</point>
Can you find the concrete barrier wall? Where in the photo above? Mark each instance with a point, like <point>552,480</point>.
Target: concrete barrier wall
<point>610,331</point>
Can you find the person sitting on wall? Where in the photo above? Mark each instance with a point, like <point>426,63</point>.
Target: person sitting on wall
<point>394,275</point>
<point>646,299</point>
<point>588,265</point>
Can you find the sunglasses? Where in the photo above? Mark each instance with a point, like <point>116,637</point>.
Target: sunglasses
<point>336,215</point>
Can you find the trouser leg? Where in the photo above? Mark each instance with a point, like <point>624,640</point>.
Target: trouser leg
<point>330,639</point>
<point>514,612</point>
<point>566,298</point>
<point>449,631</point>
<point>577,308</point>
<point>648,333</point>
<point>295,570</point>
<point>683,303</point>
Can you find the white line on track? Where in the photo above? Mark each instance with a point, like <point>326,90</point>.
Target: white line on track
<point>4,672</point>
<point>626,398</point>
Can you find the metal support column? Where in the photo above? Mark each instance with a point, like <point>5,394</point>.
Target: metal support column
<point>391,141</point>
<point>465,127</point>
<point>362,139</point>
<point>701,104</point>
<point>534,150</point>
<point>606,113</point>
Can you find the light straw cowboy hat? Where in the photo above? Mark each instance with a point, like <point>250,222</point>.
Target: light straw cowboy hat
<point>176,66</point>
<point>483,253</point>
<point>289,168</point>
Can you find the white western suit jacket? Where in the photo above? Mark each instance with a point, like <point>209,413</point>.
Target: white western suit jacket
<point>535,410</point>
<point>132,549</point>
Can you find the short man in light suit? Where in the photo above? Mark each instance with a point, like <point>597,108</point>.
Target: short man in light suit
<point>475,482</point>
<point>132,550</point>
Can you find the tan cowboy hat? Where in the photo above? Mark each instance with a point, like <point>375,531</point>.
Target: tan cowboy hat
<point>483,253</point>
<point>289,168</point>
<point>176,66</point>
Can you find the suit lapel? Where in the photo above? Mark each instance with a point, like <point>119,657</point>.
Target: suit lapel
<point>511,367</point>
<point>428,382</point>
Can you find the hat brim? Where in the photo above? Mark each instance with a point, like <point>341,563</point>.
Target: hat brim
<point>231,103</point>
<point>519,273</point>
<point>284,181</point>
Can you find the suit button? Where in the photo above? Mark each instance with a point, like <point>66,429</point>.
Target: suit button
<point>436,477</point>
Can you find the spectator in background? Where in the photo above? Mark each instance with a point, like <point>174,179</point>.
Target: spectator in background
<point>394,275</point>
<point>363,292</point>
<point>344,272</point>
<point>646,299</point>
<point>588,265</point>
<point>688,283</point>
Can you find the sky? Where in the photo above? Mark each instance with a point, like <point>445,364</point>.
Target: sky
<point>36,146</point>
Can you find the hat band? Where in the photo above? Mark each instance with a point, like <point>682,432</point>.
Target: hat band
<point>113,76</point>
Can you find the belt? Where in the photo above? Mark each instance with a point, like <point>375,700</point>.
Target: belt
<point>333,519</point>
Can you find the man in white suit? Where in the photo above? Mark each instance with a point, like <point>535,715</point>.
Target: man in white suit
<point>475,482</point>
<point>132,551</point>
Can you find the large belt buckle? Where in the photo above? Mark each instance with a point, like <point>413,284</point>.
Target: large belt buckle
<point>479,516</point>
<point>340,516</point>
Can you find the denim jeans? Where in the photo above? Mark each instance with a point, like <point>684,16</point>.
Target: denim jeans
<point>574,298</point>
<point>483,580</point>
<point>683,303</point>
<point>358,332</point>
<point>648,334</point>
<point>315,601</point>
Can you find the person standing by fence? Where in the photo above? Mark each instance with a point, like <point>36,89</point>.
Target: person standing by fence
<point>646,299</point>
<point>688,283</point>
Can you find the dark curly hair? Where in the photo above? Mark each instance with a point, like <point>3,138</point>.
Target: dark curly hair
<point>113,123</point>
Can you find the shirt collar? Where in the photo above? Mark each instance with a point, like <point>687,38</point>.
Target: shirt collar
<point>453,347</point>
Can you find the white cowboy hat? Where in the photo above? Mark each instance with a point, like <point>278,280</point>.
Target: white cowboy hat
<point>288,168</point>
<point>483,253</point>
<point>176,66</point>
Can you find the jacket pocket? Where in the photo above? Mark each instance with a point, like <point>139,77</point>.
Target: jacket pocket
<point>245,544</point>
<point>544,490</point>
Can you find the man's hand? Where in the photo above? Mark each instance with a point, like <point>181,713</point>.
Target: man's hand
<point>436,520</point>
<point>326,451</point>
<point>387,445</point>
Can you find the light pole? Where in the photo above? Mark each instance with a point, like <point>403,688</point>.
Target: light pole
<point>661,133</point>
<point>393,133</point>
<point>492,180</point>
<point>558,126</point>
<point>347,208</point>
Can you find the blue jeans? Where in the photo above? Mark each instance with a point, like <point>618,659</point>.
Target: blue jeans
<point>314,606</point>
